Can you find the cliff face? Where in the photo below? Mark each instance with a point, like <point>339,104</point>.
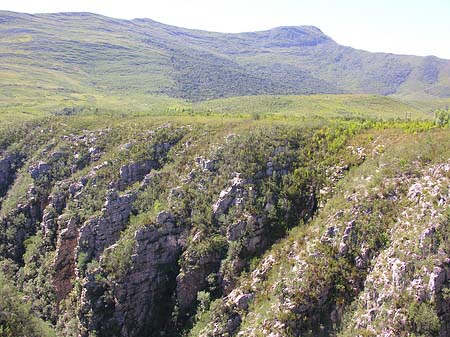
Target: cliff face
<point>9,162</point>
<point>374,262</point>
<point>169,229</point>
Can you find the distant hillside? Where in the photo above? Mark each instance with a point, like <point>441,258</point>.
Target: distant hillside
<point>80,56</point>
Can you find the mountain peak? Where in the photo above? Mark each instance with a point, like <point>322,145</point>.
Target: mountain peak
<point>293,36</point>
<point>299,29</point>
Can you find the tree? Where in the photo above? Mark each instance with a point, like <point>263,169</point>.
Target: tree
<point>16,318</point>
<point>442,117</point>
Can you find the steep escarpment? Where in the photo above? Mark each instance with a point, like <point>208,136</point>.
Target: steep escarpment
<point>125,229</point>
<point>374,262</point>
<point>238,227</point>
<point>8,165</point>
<point>199,233</point>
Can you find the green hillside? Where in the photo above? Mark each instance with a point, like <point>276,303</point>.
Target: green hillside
<point>70,58</point>
<point>159,181</point>
<point>325,106</point>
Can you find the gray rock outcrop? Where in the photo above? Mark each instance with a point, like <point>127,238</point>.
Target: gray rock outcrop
<point>232,195</point>
<point>144,295</point>
<point>139,303</point>
<point>100,232</point>
<point>134,172</point>
<point>8,166</point>
<point>39,169</point>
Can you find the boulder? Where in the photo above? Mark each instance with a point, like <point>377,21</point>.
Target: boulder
<point>37,170</point>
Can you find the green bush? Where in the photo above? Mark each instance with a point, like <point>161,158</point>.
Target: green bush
<point>16,318</point>
<point>423,320</point>
<point>442,117</point>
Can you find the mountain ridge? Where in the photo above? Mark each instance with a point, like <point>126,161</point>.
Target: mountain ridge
<point>127,209</point>
<point>73,54</point>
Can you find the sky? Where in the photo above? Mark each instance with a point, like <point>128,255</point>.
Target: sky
<point>418,27</point>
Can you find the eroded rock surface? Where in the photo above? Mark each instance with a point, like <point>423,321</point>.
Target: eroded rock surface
<point>134,172</point>
<point>65,260</point>
<point>100,232</point>
<point>140,302</point>
<point>9,163</point>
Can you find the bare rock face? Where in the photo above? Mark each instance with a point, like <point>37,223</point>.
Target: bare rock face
<point>65,259</point>
<point>144,296</point>
<point>139,304</point>
<point>232,195</point>
<point>193,278</point>
<point>98,233</point>
<point>440,284</point>
<point>37,170</point>
<point>8,165</point>
<point>133,172</point>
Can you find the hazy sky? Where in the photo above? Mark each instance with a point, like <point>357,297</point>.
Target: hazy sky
<point>420,27</point>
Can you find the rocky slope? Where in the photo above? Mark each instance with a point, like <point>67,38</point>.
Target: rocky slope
<point>373,263</point>
<point>141,227</point>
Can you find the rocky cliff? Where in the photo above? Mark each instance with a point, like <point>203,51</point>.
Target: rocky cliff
<point>155,228</point>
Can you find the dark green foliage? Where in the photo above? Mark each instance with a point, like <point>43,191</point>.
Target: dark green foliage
<point>33,278</point>
<point>423,320</point>
<point>442,117</point>
<point>16,317</point>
